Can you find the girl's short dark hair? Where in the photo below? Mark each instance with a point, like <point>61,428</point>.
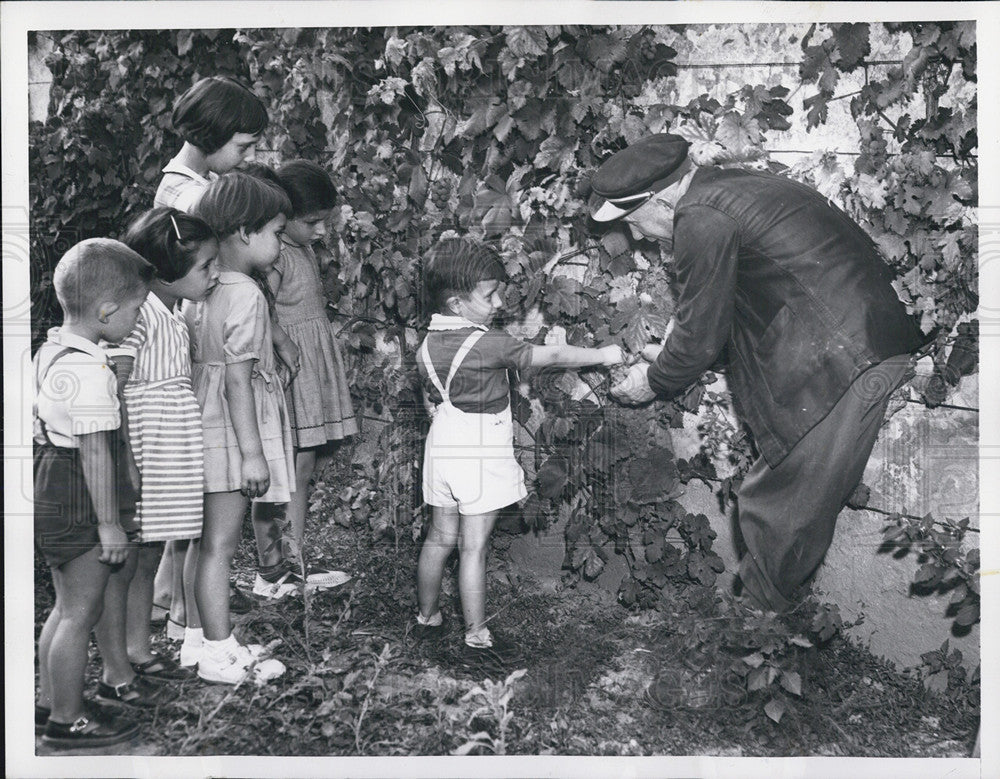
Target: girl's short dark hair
<point>211,112</point>
<point>169,239</point>
<point>455,266</point>
<point>238,200</point>
<point>308,185</point>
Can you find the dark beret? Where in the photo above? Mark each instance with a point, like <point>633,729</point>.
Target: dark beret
<point>629,178</point>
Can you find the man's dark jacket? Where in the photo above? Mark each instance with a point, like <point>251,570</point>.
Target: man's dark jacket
<point>793,286</point>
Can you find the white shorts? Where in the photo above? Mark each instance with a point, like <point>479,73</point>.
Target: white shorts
<point>469,462</point>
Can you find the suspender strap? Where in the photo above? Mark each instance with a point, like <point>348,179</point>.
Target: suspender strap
<point>39,378</point>
<point>460,355</point>
<point>425,358</point>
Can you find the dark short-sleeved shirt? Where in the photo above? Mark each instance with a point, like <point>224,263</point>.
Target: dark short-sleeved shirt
<point>480,385</point>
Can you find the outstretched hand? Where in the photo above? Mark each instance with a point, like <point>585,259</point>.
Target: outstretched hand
<point>634,389</point>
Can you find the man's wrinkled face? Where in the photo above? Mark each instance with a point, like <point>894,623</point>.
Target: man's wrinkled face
<point>653,220</point>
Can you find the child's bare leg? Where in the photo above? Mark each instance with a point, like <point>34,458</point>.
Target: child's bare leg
<point>44,643</point>
<point>163,583</point>
<point>79,585</point>
<point>473,543</point>
<point>178,604</point>
<point>267,532</point>
<point>223,516</point>
<point>305,464</point>
<point>441,539</point>
<point>110,628</point>
<point>140,602</point>
<point>190,575</point>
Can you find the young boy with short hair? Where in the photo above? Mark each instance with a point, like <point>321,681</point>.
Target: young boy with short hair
<point>84,499</point>
<point>469,470</point>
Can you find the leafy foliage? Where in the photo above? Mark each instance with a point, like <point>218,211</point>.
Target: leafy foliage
<point>490,131</point>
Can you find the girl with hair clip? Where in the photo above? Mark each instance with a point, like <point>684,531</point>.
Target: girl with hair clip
<point>164,422</point>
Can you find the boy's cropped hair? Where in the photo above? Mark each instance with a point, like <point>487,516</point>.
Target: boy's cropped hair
<point>455,266</point>
<point>308,185</point>
<point>211,112</point>
<point>169,239</point>
<point>99,270</point>
<point>238,200</point>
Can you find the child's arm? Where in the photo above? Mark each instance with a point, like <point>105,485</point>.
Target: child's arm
<point>239,395</point>
<point>575,356</point>
<point>123,369</point>
<point>102,484</point>
<point>284,346</point>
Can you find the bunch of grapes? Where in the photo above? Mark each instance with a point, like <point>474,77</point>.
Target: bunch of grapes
<point>873,148</point>
<point>440,192</point>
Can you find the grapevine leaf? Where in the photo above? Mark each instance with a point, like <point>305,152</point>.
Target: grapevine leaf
<point>792,682</point>
<point>653,476</point>
<point>968,614</point>
<point>563,297</point>
<point>552,476</point>
<point>775,709</point>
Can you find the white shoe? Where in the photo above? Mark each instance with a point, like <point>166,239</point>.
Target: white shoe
<point>191,653</point>
<point>275,590</point>
<point>231,663</point>
<point>325,580</point>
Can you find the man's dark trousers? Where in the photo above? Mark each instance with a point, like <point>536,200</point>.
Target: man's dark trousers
<point>787,514</point>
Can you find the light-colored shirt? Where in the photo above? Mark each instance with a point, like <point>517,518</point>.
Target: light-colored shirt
<point>77,395</point>
<point>181,187</point>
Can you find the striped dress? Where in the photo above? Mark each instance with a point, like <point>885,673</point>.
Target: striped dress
<point>164,421</point>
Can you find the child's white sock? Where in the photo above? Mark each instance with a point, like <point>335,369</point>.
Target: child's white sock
<point>218,646</point>
<point>479,638</point>
<point>434,619</point>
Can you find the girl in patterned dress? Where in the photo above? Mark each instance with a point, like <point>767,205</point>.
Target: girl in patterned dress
<point>164,420</point>
<point>248,448</point>
<point>319,400</point>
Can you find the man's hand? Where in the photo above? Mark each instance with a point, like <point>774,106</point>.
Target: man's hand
<point>634,389</point>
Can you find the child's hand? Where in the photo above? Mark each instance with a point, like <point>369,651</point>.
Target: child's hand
<point>256,477</point>
<point>634,389</point>
<point>288,353</point>
<point>611,355</point>
<point>114,544</point>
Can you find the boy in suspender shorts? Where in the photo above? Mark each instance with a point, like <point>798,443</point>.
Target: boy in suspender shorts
<point>469,470</point>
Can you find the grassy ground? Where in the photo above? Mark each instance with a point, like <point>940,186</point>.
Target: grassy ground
<point>358,685</point>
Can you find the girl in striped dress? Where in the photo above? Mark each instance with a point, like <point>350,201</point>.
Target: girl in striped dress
<point>164,421</point>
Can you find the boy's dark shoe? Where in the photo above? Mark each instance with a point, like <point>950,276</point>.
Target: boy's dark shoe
<point>87,732</point>
<point>137,694</point>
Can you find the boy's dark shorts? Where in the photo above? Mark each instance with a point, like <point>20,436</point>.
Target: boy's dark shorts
<point>65,520</point>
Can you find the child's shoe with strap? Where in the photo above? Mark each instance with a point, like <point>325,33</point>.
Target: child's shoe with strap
<point>136,694</point>
<point>89,731</point>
